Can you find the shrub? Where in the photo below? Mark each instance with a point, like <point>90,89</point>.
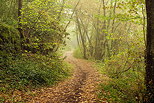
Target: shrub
<point>32,71</point>
<point>126,71</point>
<point>77,53</point>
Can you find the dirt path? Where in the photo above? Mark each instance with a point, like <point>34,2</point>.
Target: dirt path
<point>81,88</point>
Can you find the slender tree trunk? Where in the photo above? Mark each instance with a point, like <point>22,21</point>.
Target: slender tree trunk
<point>97,39</point>
<point>144,23</point>
<point>83,39</point>
<point>150,52</point>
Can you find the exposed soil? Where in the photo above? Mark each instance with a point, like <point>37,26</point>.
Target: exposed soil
<point>80,88</point>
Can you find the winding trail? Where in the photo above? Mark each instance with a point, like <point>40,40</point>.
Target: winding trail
<point>80,88</point>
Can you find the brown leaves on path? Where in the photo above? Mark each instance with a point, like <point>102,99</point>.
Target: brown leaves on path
<point>80,88</point>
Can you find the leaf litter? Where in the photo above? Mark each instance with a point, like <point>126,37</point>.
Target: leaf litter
<point>80,88</point>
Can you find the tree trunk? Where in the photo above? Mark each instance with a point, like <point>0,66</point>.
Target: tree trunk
<point>150,52</point>
<point>83,39</point>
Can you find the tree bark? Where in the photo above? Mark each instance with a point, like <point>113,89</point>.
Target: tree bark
<point>149,79</point>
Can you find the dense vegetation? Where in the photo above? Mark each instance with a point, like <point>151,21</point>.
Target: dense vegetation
<point>31,33</point>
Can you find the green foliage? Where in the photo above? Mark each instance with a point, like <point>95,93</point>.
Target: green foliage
<point>8,11</point>
<point>42,26</point>
<point>43,35</point>
<point>9,43</point>
<point>113,93</point>
<point>123,90</point>
<point>33,71</point>
<point>126,70</point>
<point>77,53</point>
<point>30,61</point>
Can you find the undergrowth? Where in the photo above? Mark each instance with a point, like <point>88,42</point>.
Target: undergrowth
<point>126,84</point>
<point>77,53</point>
<point>31,71</point>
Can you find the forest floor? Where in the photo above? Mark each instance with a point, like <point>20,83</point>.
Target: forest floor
<point>80,88</point>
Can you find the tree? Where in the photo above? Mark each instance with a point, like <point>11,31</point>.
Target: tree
<point>42,26</point>
<point>150,52</point>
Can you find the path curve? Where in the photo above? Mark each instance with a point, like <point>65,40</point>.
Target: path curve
<point>80,88</point>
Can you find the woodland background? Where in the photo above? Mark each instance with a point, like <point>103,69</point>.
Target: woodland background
<point>35,33</point>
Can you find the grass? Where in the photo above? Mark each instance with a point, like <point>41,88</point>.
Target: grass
<point>122,87</point>
<point>119,91</point>
<point>29,72</point>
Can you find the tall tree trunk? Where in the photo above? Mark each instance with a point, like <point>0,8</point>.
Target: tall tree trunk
<point>97,37</point>
<point>150,52</point>
<point>83,39</point>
